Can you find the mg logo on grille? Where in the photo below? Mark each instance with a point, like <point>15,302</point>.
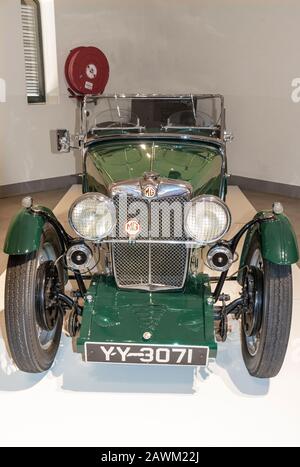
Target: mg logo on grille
<point>132,228</point>
<point>149,191</point>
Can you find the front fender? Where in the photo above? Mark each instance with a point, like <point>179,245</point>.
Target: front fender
<point>277,237</point>
<point>279,242</point>
<point>24,233</point>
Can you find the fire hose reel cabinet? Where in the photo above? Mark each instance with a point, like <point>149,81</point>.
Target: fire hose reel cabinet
<point>87,70</point>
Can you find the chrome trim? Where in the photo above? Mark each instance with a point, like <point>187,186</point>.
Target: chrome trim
<point>166,242</point>
<point>84,249</point>
<point>277,208</point>
<point>150,180</point>
<point>153,287</point>
<point>138,128</point>
<point>150,287</point>
<point>92,98</point>
<point>228,136</point>
<point>150,264</point>
<point>219,249</point>
<point>157,136</point>
<point>185,127</point>
<point>101,198</point>
<point>165,189</point>
<point>213,199</point>
<point>164,186</point>
<point>126,187</point>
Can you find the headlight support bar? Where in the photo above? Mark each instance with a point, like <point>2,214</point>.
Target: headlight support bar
<point>232,245</point>
<point>65,239</point>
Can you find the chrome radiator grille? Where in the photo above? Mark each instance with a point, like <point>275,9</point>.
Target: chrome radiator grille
<point>150,266</point>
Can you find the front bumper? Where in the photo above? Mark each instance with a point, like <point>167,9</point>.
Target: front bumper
<point>183,318</point>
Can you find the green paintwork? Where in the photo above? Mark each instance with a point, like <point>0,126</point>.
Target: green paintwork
<point>278,240</point>
<point>197,163</point>
<point>24,233</point>
<point>178,318</point>
<point>246,246</point>
<point>181,317</point>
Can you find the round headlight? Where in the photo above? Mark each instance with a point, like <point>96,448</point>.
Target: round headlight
<point>207,219</point>
<point>93,216</point>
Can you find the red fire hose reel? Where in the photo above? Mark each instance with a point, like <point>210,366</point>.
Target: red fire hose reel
<point>87,71</point>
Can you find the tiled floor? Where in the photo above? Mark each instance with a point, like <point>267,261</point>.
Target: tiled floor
<point>9,206</point>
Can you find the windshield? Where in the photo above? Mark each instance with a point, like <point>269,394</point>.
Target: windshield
<point>187,114</point>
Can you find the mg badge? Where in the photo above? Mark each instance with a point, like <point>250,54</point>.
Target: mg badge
<point>149,191</point>
<point>132,228</point>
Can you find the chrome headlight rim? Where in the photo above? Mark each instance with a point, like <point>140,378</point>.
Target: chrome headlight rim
<point>102,199</point>
<point>212,199</point>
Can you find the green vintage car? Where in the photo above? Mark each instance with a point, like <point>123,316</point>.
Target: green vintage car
<point>150,250</point>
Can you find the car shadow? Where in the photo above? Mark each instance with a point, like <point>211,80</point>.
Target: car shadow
<point>73,374</point>
<point>230,366</point>
<point>120,378</point>
<point>11,379</point>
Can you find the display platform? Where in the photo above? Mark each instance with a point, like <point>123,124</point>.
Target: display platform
<point>100,405</point>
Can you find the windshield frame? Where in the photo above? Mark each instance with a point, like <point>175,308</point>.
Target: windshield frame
<point>212,134</point>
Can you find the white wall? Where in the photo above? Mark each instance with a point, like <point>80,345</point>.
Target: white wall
<point>24,129</point>
<point>247,49</point>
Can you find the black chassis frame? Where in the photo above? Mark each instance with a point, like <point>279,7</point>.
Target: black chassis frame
<point>220,312</point>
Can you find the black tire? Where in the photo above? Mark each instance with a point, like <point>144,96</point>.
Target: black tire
<point>27,351</point>
<point>276,319</point>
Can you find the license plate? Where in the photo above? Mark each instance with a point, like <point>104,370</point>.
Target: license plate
<point>139,354</point>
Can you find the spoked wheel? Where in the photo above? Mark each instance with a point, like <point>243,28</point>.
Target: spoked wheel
<point>266,319</point>
<point>33,316</point>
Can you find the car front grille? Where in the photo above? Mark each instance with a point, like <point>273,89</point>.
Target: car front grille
<point>150,266</point>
